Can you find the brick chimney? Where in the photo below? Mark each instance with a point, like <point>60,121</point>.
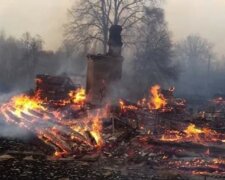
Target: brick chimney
<point>103,70</point>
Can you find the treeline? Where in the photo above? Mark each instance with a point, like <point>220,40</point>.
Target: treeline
<point>22,58</point>
<point>202,70</point>
<point>150,54</point>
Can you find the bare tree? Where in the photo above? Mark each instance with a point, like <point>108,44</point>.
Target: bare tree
<point>153,58</point>
<point>194,51</point>
<point>21,59</point>
<point>91,19</point>
<point>32,47</point>
<point>195,55</point>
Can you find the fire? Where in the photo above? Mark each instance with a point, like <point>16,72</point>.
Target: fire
<point>124,107</point>
<point>96,131</point>
<point>78,96</point>
<point>24,103</point>
<point>157,101</point>
<point>192,130</point>
<point>193,134</point>
<point>55,127</point>
<point>91,127</point>
<point>68,135</point>
<point>202,133</point>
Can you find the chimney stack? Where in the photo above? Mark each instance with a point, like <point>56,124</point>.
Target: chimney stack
<point>103,70</point>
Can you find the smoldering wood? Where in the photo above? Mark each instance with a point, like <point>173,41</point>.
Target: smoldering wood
<point>90,138</point>
<point>54,88</point>
<point>189,145</point>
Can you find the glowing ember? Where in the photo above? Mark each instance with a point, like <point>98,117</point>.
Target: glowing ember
<point>193,134</point>
<point>157,101</point>
<point>124,107</point>
<point>218,101</point>
<point>200,166</point>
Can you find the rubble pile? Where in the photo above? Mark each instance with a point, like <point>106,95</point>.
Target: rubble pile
<point>155,138</point>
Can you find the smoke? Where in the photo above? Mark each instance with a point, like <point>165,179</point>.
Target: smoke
<point>202,71</point>
<point>6,96</point>
<point>11,131</point>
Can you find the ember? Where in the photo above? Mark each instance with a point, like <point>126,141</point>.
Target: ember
<point>193,134</point>
<point>219,101</point>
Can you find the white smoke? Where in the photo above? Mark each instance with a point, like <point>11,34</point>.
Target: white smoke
<point>10,131</point>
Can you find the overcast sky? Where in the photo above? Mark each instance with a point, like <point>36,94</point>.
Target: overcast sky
<point>46,17</point>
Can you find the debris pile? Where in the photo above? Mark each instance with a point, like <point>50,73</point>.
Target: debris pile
<point>153,135</point>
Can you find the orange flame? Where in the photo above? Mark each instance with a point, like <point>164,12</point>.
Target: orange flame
<point>53,126</point>
<point>96,130</point>
<point>93,125</point>
<point>193,130</point>
<point>194,134</point>
<point>78,96</point>
<point>157,101</point>
<point>24,103</point>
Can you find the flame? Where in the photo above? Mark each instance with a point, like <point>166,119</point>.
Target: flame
<point>157,101</point>
<point>24,103</point>
<point>78,96</point>
<point>93,125</point>
<point>192,130</point>
<point>96,130</point>
<point>55,127</point>
<point>193,134</point>
<point>64,133</point>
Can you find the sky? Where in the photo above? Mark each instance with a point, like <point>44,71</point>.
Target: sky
<point>43,17</point>
<point>47,17</point>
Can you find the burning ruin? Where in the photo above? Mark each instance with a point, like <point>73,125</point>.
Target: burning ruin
<point>52,120</point>
<point>157,132</point>
<point>74,127</point>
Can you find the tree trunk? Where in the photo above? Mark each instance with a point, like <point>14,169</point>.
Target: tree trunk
<point>105,43</point>
<point>105,26</point>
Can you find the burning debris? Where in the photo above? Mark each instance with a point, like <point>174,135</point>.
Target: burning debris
<point>146,139</point>
<point>158,101</point>
<point>56,126</point>
<point>157,130</point>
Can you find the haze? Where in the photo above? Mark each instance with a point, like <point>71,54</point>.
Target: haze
<point>46,18</point>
